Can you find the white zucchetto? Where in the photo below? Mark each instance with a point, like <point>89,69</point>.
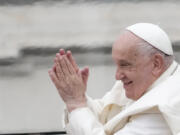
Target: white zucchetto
<point>154,35</point>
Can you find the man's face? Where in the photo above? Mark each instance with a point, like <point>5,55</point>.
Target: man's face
<point>134,69</point>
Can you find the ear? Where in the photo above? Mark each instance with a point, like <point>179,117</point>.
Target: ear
<point>158,65</point>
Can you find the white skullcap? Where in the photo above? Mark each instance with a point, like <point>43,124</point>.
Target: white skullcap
<point>154,35</point>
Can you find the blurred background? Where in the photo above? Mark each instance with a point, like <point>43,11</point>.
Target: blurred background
<point>32,31</point>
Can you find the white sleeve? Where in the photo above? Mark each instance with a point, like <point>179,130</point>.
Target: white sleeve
<point>146,124</point>
<point>83,122</point>
<point>95,106</point>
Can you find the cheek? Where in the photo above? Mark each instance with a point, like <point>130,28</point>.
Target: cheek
<point>132,75</point>
<point>144,72</point>
<point>141,80</point>
<point>142,84</point>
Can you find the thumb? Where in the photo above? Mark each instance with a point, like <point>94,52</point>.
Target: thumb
<point>85,75</point>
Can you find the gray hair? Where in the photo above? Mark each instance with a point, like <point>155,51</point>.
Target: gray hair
<point>148,50</point>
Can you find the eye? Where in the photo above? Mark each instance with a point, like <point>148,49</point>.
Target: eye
<point>124,64</point>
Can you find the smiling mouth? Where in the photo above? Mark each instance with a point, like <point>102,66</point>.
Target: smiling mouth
<point>127,83</point>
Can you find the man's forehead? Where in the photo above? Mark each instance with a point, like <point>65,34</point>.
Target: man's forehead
<point>127,40</point>
<point>128,36</point>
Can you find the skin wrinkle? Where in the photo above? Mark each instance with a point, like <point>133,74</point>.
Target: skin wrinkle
<point>138,66</point>
<point>135,68</point>
<point>67,65</point>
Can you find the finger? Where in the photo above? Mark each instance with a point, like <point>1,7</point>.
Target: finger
<point>61,51</point>
<point>72,60</point>
<point>53,78</point>
<point>59,71</point>
<point>63,65</point>
<point>54,67</point>
<point>56,82</point>
<point>55,61</point>
<point>86,70</point>
<point>55,57</point>
<point>57,66</point>
<point>85,74</point>
<point>69,66</point>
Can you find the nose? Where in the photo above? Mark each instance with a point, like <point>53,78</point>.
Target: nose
<point>119,74</point>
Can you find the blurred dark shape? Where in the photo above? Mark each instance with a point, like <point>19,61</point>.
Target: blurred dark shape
<point>30,2</point>
<point>38,51</point>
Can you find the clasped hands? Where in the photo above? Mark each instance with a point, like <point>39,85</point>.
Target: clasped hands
<point>70,81</point>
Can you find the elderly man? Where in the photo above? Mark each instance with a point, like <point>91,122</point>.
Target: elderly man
<point>145,99</point>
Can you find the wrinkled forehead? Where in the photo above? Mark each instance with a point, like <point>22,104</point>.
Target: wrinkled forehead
<point>126,41</point>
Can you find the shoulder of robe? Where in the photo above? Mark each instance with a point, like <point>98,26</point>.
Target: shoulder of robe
<point>164,97</point>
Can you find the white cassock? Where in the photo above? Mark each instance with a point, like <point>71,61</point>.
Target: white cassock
<point>157,112</point>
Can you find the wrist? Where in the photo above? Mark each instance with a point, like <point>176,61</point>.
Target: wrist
<point>73,106</point>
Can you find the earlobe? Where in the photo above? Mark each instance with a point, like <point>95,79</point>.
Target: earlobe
<point>157,65</point>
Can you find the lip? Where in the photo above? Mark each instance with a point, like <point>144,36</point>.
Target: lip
<point>126,84</point>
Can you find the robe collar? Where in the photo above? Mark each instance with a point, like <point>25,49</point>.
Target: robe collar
<point>170,71</point>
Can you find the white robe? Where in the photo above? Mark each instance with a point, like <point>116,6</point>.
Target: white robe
<point>157,112</point>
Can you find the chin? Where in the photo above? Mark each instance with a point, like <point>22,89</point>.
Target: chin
<point>131,96</point>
